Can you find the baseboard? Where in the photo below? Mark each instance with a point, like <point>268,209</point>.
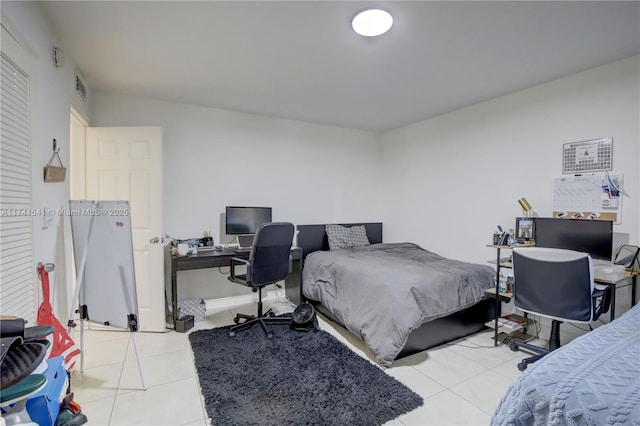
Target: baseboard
<point>244,299</point>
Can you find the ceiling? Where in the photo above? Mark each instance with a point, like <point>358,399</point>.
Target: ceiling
<point>301,60</point>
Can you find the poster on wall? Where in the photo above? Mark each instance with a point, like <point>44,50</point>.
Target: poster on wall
<point>593,197</point>
<point>595,155</point>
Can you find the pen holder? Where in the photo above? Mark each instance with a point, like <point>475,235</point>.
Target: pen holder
<point>501,239</point>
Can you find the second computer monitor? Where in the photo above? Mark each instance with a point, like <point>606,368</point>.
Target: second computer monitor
<point>590,236</point>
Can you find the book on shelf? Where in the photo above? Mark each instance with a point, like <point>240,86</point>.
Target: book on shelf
<point>509,323</point>
<point>503,322</point>
<point>519,319</point>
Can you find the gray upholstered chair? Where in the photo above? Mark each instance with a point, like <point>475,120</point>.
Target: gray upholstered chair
<point>268,263</point>
<point>556,284</point>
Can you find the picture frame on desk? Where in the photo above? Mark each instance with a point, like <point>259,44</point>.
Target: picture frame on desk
<point>525,230</point>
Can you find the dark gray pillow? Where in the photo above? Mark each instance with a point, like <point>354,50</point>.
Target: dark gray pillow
<point>342,237</point>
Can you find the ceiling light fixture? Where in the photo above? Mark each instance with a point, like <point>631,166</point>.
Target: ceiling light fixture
<point>372,22</point>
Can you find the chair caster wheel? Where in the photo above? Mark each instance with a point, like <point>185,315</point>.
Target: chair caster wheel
<point>513,346</point>
<point>522,366</point>
<point>232,333</point>
<point>236,320</point>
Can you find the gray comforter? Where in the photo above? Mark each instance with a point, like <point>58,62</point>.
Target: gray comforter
<point>382,292</point>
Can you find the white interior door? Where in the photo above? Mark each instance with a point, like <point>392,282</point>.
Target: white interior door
<point>125,163</point>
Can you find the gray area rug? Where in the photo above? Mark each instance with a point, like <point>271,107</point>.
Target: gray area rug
<point>296,378</point>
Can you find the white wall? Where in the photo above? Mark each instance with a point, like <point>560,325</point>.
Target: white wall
<point>213,158</point>
<point>52,94</point>
<point>450,180</point>
<point>444,183</point>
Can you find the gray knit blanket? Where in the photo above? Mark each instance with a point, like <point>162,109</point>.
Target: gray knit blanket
<point>594,380</point>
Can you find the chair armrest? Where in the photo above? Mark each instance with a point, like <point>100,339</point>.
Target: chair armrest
<point>237,261</point>
<point>600,301</point>
<point>598,292</point>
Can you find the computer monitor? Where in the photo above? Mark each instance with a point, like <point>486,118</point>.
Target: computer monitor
<point>245,220</point>
<point>525,230</point>
<point>590,236</point>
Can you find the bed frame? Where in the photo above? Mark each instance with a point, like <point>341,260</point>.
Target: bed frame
<point>430,334</point>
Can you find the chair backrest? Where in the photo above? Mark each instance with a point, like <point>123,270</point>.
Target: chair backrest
<point>627,256</point>
<point>553,283</point>
<point>270,258</point>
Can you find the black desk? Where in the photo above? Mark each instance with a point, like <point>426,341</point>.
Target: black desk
<point>217,258</point>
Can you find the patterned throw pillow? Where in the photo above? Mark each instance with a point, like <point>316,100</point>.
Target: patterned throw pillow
<point>342,237</point>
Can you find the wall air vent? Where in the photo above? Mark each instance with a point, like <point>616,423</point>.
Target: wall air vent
<point>81,88</point>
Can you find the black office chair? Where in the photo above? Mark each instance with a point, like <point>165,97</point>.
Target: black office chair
<point>269,262</point>
<point>557,284</point>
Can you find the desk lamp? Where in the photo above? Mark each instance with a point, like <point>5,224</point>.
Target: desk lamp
<point>527,210</point>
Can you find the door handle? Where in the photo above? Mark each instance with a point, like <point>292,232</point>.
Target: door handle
<point>154,240</point>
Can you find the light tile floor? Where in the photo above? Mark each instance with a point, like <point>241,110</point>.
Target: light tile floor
<point>461,382</point>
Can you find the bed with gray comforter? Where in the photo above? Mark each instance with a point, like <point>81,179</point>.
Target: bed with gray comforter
<point>594,380</point>
<point>382,292</point>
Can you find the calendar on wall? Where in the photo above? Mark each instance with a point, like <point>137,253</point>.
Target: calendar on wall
<point>594,197</point>
<point>594,155</point>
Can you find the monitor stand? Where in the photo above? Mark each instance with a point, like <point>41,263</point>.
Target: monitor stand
<point>245,241</point>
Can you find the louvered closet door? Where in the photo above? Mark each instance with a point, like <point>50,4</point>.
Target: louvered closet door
<point>17,269</point>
